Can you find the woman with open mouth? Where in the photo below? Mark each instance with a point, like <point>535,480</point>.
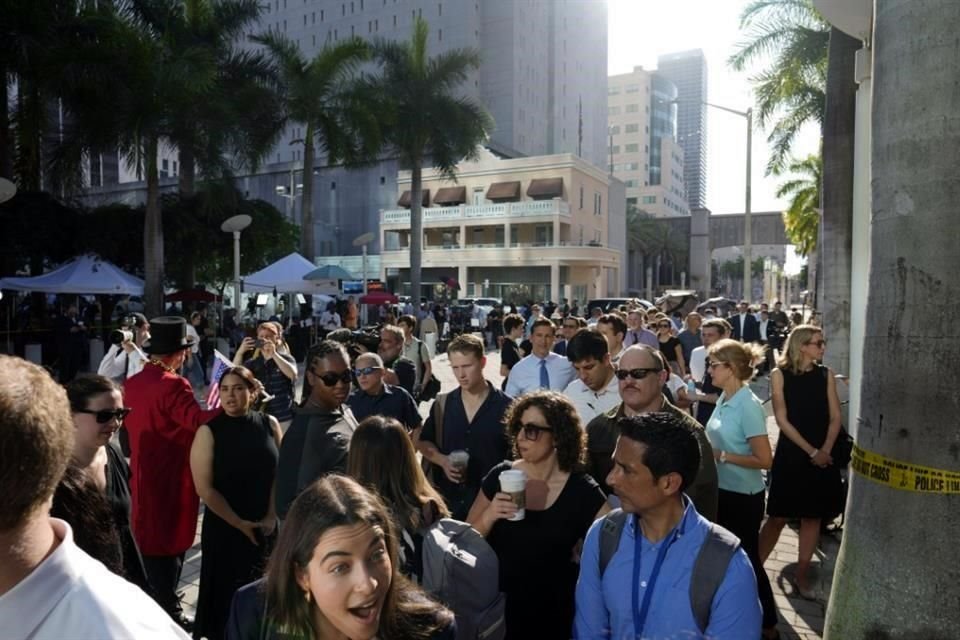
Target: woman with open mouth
<point>334,575</point>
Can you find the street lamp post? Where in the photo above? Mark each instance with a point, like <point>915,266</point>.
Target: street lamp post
<point>235,225</point>
<point>747,230</point>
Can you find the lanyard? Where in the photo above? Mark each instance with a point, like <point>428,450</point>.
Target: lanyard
<point>640,613</point>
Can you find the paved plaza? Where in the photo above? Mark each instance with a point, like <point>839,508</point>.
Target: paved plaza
<point>800,618</point>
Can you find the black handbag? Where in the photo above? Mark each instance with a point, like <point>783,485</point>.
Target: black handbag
<point>430,390</point>
<point>842,450</point>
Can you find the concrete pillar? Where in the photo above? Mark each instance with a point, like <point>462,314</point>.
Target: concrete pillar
<point>462,279</point>
<point>506,235</point>
<point>555,282</point>
<point>463,236</point>
<point>649,289</point>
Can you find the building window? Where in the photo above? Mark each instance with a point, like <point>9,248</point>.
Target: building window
<point>648,199</point>
<point>632,128</point>
<point>615,129</point>
<point>631,148</point>
<point>333,186</point>
<point>633,88</point>
<point>613,91</point>
<point>633,108</point>
<point>440,35</point>
<point>581,198</point>
<point>613,111</point>
<point>615,148</point>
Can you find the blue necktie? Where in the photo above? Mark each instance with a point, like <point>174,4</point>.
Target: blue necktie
<point>544,376</point>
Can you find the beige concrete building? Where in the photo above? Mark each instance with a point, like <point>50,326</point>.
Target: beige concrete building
<point>643,149</point>
<point>537,228</point>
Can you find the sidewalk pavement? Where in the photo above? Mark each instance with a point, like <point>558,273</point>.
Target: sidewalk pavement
<point>800,619</point>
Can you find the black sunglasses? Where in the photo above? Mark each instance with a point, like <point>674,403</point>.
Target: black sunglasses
<point>106,415</point>
<point>531,432</point>
<point>331,379</point>
<point>366,371</point>
<point>636,374</point>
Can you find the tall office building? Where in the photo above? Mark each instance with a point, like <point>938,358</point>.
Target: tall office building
<point>643,150</point>
<point>687,70</point>
<point>544,95</point>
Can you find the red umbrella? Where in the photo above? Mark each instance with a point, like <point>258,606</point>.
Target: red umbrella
<point>379,297</point>
<point>192,295</point>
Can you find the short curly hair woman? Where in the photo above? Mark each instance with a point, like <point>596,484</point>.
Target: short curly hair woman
<point>560,503</point>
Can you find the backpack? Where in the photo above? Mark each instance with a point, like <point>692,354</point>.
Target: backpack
<point>709,568</point>
<point>463,572</point>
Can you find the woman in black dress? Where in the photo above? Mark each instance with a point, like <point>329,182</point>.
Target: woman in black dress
<point>538,572</point>
<point>234,465</point>
<point>97,483</point>
<point>804,482</point>
<point>670,346</point>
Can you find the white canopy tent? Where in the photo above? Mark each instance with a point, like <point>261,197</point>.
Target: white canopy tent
<point>84,275</point>
<point>286,275</point>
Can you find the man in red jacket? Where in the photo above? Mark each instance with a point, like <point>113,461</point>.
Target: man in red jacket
<point>164,418</point>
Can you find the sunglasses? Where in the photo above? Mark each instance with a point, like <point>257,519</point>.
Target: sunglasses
<point>818,343</point>
<point>331,379</point>
<point>532,432</point>
<point>664,326</point>
<point>106,415</point>
<point>366,371</point>
<point>636,374</point>
<point>711,364</point>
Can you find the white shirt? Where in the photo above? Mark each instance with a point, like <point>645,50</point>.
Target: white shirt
<point>763,329</point>
<point>698,363</point>
<point>525,375</point>
<point>590,403</point>
<point>71,595</point>
<point>192,333</point>
<point>117,363</point>
<point>615,360</point>
<point>330,321</point>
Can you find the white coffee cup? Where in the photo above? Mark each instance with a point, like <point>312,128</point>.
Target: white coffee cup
<point>514,482</point>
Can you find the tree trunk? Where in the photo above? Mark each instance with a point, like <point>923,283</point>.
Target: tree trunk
<point>837,221</point>
<point>6,136</point>
<point>416,230</point>
<point>308,236</point>
<point>898,572</point>
<point>188,172</point>
<point>153,236</point>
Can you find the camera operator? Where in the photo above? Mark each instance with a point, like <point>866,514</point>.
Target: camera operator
<point>125,358</point>
<point>268,357</point>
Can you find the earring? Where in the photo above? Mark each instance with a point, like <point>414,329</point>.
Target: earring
<point>306,596</point>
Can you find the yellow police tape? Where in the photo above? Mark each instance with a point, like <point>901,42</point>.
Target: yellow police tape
<point>903,475</point>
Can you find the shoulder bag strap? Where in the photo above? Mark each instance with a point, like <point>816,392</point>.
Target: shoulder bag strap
<point>709,570</point>
<point>610,532</point>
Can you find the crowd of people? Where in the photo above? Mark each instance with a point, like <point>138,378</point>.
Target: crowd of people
<point>618,476</point>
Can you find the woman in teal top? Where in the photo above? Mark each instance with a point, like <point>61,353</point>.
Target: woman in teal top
<point>737,430</point>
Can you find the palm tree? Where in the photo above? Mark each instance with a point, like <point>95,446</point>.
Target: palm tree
<point>119,90</point>
<point>791,89</point>
<point>893,539</point>
<point>236,115</point>
<point>323,95</point>
<point>802,217</point>
<point>426,120</point>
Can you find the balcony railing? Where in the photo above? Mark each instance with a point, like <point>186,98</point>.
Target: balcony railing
<point>506,210</point>
<point>500,245</point>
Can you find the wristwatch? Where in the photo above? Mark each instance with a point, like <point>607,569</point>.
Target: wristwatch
<point>723,457</point>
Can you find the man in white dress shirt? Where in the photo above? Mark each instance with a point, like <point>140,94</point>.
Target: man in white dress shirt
<point>49,587</point>
<point>613,328</point>
<point>542,369</point>
<point>596,389</point>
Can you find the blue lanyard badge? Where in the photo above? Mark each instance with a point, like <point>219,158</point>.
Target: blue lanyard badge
<point>640,612</point>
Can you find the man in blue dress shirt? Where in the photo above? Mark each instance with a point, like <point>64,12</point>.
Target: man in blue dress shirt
<point>655,459</point>
<point>542,369</point>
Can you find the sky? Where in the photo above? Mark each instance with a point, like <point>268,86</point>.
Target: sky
<point>640,30</point>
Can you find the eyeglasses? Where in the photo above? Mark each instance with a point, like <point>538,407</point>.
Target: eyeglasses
<point>331,379</point>
<point>106,415</point>
<point>365,371</point>
<point>818,343</point>
<point>712,364</point>
<point>531,432</point>
<point>664,326</point>
<point>636,374</point>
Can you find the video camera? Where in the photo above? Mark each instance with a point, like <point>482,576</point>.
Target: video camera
<point>358,342</point>
<point>126,331</point>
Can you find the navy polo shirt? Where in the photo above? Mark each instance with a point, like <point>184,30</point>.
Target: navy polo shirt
<point>393,402</point>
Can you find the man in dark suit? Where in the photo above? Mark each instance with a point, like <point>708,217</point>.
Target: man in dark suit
<point>745,325</point>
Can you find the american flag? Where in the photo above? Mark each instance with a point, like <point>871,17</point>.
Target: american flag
<point>220,364</point>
